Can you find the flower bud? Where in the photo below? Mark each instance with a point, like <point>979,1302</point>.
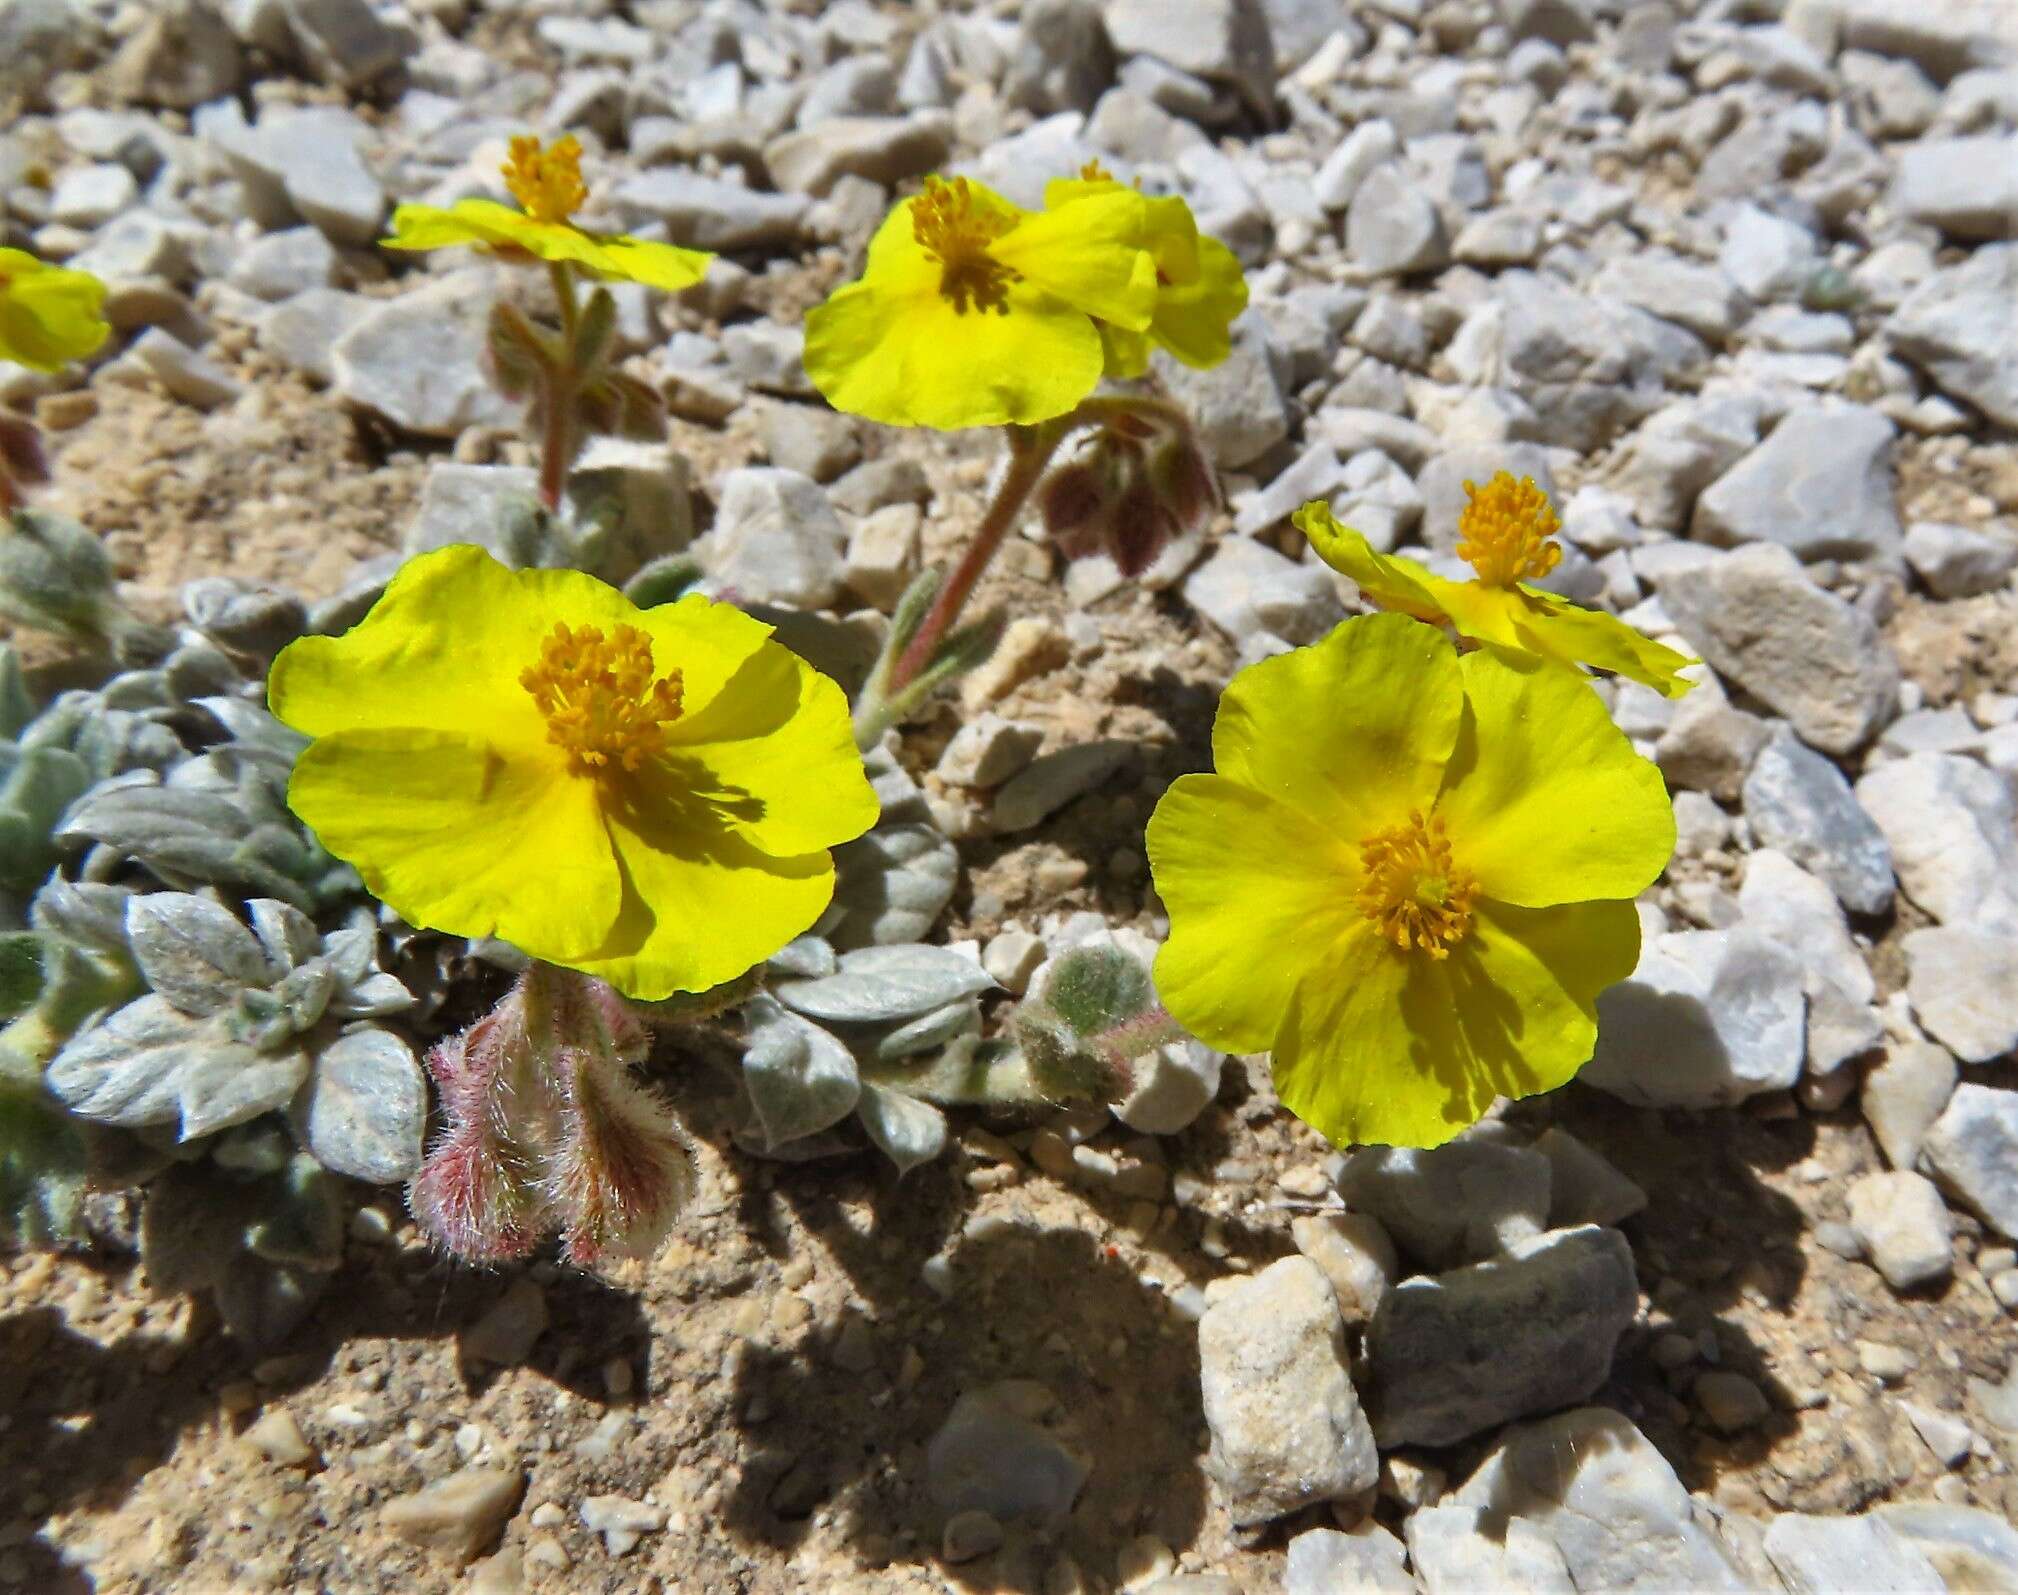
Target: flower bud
<point>1184,482</point>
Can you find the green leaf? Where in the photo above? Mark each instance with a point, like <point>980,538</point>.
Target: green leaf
<point>23,956</point>
<point>42,1168</point>
<point>1094,988</point>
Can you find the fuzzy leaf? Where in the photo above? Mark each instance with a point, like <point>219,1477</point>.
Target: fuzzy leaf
<point>910,1132</point>
<point>194,952</point>
<point>968,1072</point>
<point>930,1030</point>
<point>364,1109</point>
<point>151,1064</point>
<point>1097,986</point>
<point>16,707</point>
<point>42,1168</point>
<point>299,1221</point>
<point>892,885</point>
<point>801,1079</point>
<point>662,580</point>
<point>252,728</point>
<point>879,984</point>
<point>807,958</point>
<point>288,935</point>
<point>23,956</point>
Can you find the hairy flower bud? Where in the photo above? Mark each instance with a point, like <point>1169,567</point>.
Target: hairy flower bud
<point>548,1131</point>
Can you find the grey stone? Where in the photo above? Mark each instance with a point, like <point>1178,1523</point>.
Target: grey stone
<point>1356,1255</point>
<point>1286,1426</point>
<point>460,1516</point>
<point>995,1454</point>
<point>1353,431</point>
<point>1679,452</point>
<point>1049,782</point>
<point>1952,826</point>
<point>1803,652</point>
<point>139,244</point>
<point>1560,22</point>
<point>90,196</point>
<point>987,750</point>
<point>1698,297</point>
<point>1367,1561</point>
<point>1391,227</point>
<point>855,85</point>
<point>1708,745</point>
<point>1944,40</point>
<point>38,39</point>
<point>1957,561</point>
<point>776,539</point>
<point>505,1335</point>
<point>882,555</point>
<point>1237,405</point>
<point>418,360</point>
<point>880,149</point>
<point>1494,239</point>
<point>708,213</point>
<point>1317,473</point>
<point>1787,905</point>
<point>1903,1227</point>
<point>1819,1555</point>
<point>1948,1437</point>
<point>284,264</point>
<point>470,504</point>
<point>1246,589</point>
<point>1767,256</point>
<point>1972,1150</point>
<point>1222,41</point>
<point>1370,145</point>
<point>1731,1402</point>
<point>345,42</point>
<point>1963,984</point>
<point>1903,1096</point>
<point>1590,367</point>
<point>1377,499</point>
<point>1799,802</point>
<point>1957,326</point>
<point>1457,1353</point>
<point>622,1522</point>
<point>1820,485</point>
<point>1584,1187</point>
<point>815,442</point>
<point>1709,1018</point>
<point>1062,60</point>
<point>1608,1502</point>
<point>1967,187</point>
<point>186,374</point>
<point>1970,1548</point>
<point>309,164</point>
<point>1461,1202</point>
<point>1172,1086</point>
<point>1463,1550</point>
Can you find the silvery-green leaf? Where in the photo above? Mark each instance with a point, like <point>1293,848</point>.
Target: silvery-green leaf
<point>198,669</point>
<point>150,1064</point>
<point>364,1109</point>
<point>254,620</point>
<point>83,913</point>
<point>806,958</point>
<point>288,935</point>
<point>256,1148</point>
<point>879,984</point>
<point>374,997</point>
<point>304,993</point>
<point>16,707</point>
<point>350,951</point>
<point>206,773</point>
<point>42,1169</point>
<point>297,1217</point>
<point>263,1303</point>
<point>890,885</point>
<point>929,1030</point>
<point>59,722</point>
<point>137,689</point>
<point>192,1228</point>
<point>1096,986</point>
<point>194,952</point>
<point>23,955</point>
<point>801,1080</point>
<point>252,727</point>
<point>909,1131</point>
<point>968,1071</point>
<point>186,835</point>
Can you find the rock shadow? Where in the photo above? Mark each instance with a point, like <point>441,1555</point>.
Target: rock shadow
<point>830,1436</point>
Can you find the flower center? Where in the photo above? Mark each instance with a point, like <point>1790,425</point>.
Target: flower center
<point>1507,531</point>
<point>956,233</point>
<point>601,703</point>
<point>546,183</point>
<point>1413,893</point>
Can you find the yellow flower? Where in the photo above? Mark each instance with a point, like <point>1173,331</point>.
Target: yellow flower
<point>971,312</point>
<point>49,315</point>
<point>1507,534</point>
<point>1409,878</point>
<point>1199,286</point>
<point>548,184</point>
<point>647,795</point>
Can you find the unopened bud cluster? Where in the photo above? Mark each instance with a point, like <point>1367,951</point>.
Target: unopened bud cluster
<point>1134,486</point>
<point>548,1131</point>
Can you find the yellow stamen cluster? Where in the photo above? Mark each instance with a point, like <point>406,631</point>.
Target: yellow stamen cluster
<point>1507,531</point>
<point>1095,171</point>
<point>546,183</point>
<point>1413,892</point>
<point>955,233</point>
<point>601,703</point>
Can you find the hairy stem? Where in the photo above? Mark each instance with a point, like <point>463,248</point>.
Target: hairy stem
<point>557,444</point>
<point>1030,451</point>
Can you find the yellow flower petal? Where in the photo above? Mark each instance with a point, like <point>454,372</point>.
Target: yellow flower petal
<point>909,358</point>
<point>49,315</point>
<point>1390,581</point>
<point>1354,731</point>
<point>487,224</point>
<point>1091,254</point>
<point>778,731</point>
<point>465,837</point>
<point>1545,798</point>
<point>1380,1047</point>
<point>1560,629</point>
<point>1253,894</point>
<point>1194,315</point>
<point>700,905</point>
